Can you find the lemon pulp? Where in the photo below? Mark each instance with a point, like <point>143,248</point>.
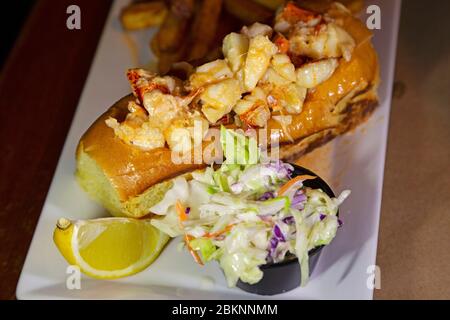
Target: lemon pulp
<point>110,247</point>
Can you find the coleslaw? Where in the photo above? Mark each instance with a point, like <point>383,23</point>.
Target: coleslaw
<point>247,215</point>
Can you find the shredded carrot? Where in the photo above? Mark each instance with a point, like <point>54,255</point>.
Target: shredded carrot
<point>218,233</point>
<point>181,211</point>
<point>182,216</point>
<point>291,182</point>
<point>282,43</point>
<point>187,239</point>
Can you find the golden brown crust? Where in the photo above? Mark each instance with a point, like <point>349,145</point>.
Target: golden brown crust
<point>356,113</point>
<point>332,108</point>
<point>359,74</point>
<point>131,170</point>
<point>116,158</point>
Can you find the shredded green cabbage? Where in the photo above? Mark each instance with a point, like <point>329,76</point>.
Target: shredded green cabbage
<point>237,217</point>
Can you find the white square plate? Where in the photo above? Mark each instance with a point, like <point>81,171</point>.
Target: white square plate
<point>356,161</point>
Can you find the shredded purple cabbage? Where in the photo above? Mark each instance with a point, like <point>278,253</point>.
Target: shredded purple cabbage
<point>298,201</point>
<point>266,196</point>
<point>278,237</point>
<point>187,210</point>
<point>298,197</point>
<point>273,243</point>
<point>283,170</point>
<point>289,220</point>
<point>278,233</point>
<point>273,246</point>
<point>323,216</point>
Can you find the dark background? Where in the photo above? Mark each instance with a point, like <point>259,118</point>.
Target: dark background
<point>40,84</point>
<point>13,15</point>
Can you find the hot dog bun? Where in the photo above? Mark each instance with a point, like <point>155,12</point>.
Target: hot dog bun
<point>128,181</point>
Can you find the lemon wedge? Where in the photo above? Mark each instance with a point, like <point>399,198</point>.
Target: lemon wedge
<point>109,248</point>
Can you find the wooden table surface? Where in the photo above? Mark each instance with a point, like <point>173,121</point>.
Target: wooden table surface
<point>42,81</point>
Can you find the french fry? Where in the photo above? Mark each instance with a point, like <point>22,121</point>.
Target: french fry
<point>204,28</point>
<point>154,46</point>
<point>271,4</point>
<point>355,6</point>
<point>170,43</point>
<point>172,32</point>
<point>143,15</point>
<point>248,11</point>
<point>228,24</point>
<point>167,59</point>
<point>182,8</point>
<point>213,54</point>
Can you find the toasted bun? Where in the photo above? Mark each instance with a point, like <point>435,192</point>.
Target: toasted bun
<point>124,179</point>
<point>128,181</point>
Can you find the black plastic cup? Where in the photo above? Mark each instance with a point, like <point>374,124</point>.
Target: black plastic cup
<point>286,275</point>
